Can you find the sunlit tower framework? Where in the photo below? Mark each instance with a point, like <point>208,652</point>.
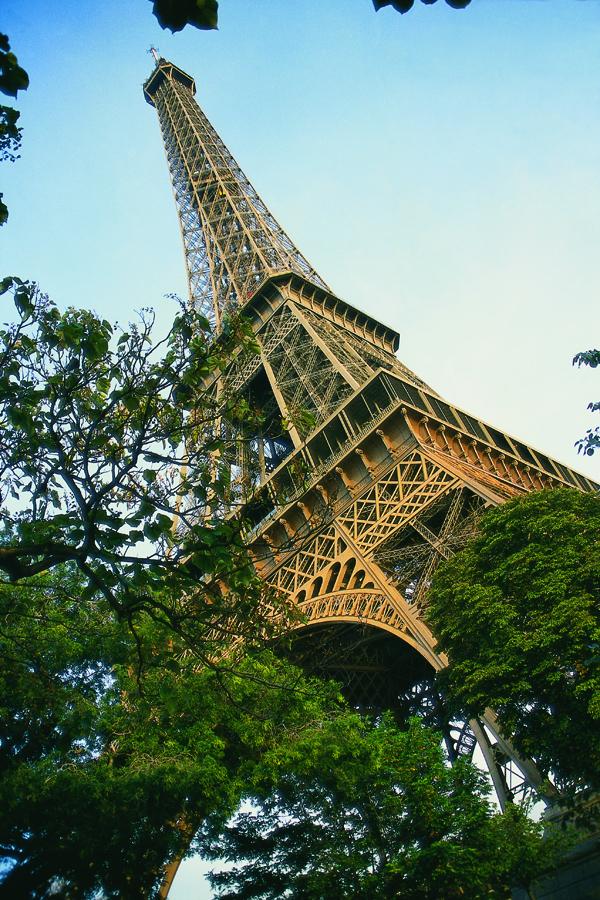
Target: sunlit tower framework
<point>382,477</point>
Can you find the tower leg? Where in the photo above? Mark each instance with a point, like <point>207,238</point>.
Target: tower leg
<point>490,761</point>
<point>531,775</point>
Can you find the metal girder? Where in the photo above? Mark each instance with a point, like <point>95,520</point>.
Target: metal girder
<point>393,478</point>
<point>232,242</point>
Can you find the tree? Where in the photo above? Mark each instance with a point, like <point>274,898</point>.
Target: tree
<point>12,79</point>
<point>364,810</point>
<point>127,689</point>
<point>517,613</point>
<point>116,454</point>
<point>591,442</point>
<point>106,768</point>
<point>130,702</point>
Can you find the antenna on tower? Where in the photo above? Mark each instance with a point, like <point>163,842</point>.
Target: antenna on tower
<point>154,52</point>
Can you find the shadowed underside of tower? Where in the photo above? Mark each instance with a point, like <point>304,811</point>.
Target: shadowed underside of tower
<point>382,478</point>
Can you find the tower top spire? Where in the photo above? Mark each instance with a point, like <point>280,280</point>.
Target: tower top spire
<point>155,53</point>
<point>233,244</point>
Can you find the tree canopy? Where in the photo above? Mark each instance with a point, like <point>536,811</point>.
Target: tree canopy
<point>107,769</point>
<point>115,456</point>
<point>517,612</point>
<point>361,810</point>
<point>130,703</point>
<point>137,688</point>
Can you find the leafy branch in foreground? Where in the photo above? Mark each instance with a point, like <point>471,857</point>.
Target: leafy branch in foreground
<point>13,78</point>
<point>176,14</point>
<point>360,810</point>
<point>97,778</point>
<point>116,455</point>
<point>204,14</point>
<point>517,613</point>
<point>591,442</point>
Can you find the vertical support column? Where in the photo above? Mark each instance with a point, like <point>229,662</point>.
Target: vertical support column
<point>543,788</point>
<point>490,762</point>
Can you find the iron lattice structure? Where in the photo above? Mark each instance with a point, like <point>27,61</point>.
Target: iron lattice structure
<point>232,242</point>
<point>382,477</point>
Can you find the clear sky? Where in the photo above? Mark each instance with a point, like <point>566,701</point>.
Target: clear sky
<point>440,169</point>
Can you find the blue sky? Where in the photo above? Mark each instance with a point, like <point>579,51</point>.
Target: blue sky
<point>439,169</point>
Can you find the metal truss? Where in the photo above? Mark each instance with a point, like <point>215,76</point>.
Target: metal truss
<point>360,478</point>
<point>360,357</point>
<point>395,499</point>
<point>232,242</point>
<point>308,379</point>
<point>410,558</point>
<point>365,607</point>
<point>308,561</point>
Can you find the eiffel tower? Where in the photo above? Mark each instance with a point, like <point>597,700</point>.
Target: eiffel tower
<point>382,477</point>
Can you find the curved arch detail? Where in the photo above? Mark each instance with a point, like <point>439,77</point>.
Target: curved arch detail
<point>361,607</point>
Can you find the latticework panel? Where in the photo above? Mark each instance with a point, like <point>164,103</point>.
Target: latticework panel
<point>410,556</point>
<point>232,242</point>
<point>394,499</point>
<point>311,558</point>
<point>274,332</point>
<point>360,357</point>
<point>340,342</point>
<point>310,384</point>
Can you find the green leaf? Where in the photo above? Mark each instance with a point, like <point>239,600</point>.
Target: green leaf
<point>13,78</point>
<point>7,282</point>
<point>23,301</point>
<point>176,14</point>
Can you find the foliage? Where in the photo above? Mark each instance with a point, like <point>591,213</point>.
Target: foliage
<point>130,703</point>
<point>517,613</point>
<point>12,79</point>
<point>98,778</point>
<point>362,810</point>
<point>10,134</point>
<point>113,457</point>
<point>591,442</point>
<point>403,6</point>
<point>176,14</point>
